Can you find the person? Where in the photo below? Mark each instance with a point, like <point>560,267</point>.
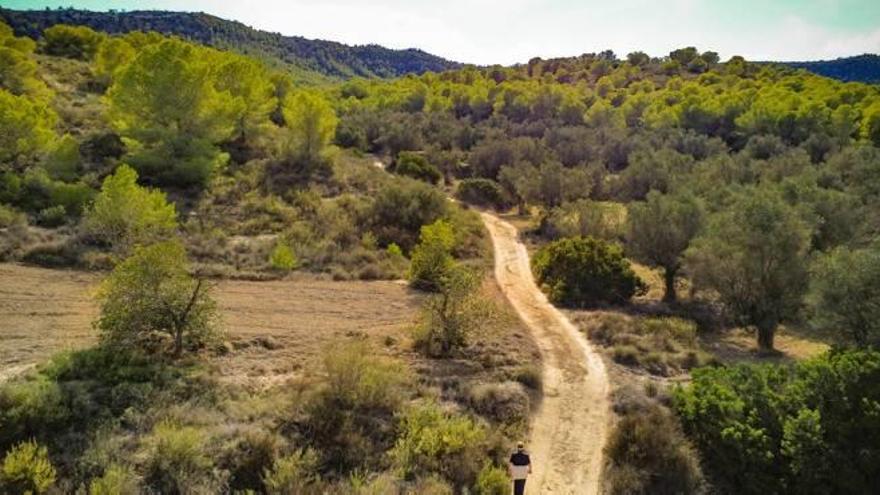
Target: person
<point>519,467</point>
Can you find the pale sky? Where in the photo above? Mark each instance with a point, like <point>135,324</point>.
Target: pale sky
<point>506,32</point>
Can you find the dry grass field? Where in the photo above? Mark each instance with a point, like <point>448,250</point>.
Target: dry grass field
<point>273,328</point>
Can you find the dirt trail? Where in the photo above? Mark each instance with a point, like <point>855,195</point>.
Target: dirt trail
<point>569,430</point>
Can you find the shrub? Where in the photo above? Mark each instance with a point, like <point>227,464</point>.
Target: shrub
<point>53,216</point>
<point>584,271</point>
<point>351,415</point>
<point>29,408</point>
<point>116,480</point>
<point>282,257</point>
<point>505,403</point>
<point>648,454</point>
<point>416,166</point>
<point>10,217</point>
<point>432,257</point>
<point>152,293</point>
<point>250,454</point>
<point>27,469</point>
<point>292,474</point>
<point>436,442</point>
<point>125,214</point>
<point>482,192</point>
<point>492,481</point>
<point>453,314</point>
<point>401,209</point>
<point>803,428</point>
<point>176,459</point>
<point>79,42</point>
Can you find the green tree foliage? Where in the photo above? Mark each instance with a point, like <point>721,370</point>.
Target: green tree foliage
<point>583,271</point>
<point>416,166</point>
<point>64,161</point>
<point>151,293</point>
<point>18,69</point>
<point>754,256</point>
<point>27,469</point>
<point>310,127</point>
<point>585,217</point>
<point>113,54</point>
<point>661,229</point>
<point>432,256</point>
<point>845,293</point>
<point>249,84</point>
<point>79,42</point>
<point>26,129</point>
<point>166,105</point>
<point>806,428</point>
<point>433,441</point>
<point>401,209</point>
<point>125,214</point>
<point>451,316</point>
<point>481,192</point>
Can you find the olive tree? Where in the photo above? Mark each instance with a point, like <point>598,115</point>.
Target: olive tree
<point>152,293</point>
<point>659,231</point>
<point>754,256</point>
<point>845,293</point>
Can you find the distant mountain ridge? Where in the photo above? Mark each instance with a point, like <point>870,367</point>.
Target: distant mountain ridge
<point>861,68</point>
<point>326,58</point>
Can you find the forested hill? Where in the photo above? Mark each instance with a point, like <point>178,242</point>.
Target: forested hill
<point>305,56</point>
<point>862,68</point>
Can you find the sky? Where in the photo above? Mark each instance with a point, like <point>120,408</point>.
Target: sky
<point>512,31</point>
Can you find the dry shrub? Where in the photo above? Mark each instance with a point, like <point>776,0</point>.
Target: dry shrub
<point>648,454</point>
<point>506,403</point>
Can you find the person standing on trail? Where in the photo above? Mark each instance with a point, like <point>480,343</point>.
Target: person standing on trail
<point>520,467</point>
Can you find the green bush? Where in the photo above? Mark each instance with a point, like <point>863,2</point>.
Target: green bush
<point>351,415</point>
<point>804,428</point>
<point>433,441</point>
<point>402,208</point>
<point>416,166</point>
<point>493,481</point>
<point>79,42</point>
<point>31,408</point>
<point>53,216</point>
<point>27,469</point>
<point>432,256</point>
<point>282,257</point>
<point>176,459</point>
<point>116,480</point>
<point>292,474</point>
<point>125,214</point>
<point>648,454</point>
<point>482,192</point>
<point>583,271</point>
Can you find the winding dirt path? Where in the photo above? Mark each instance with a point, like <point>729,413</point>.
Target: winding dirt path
<point>569,430</point>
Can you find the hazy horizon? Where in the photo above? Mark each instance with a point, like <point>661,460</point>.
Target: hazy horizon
<point>478,31</point>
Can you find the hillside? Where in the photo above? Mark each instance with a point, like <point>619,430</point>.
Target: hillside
<point>305,56</point>
<point>861,68</point>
